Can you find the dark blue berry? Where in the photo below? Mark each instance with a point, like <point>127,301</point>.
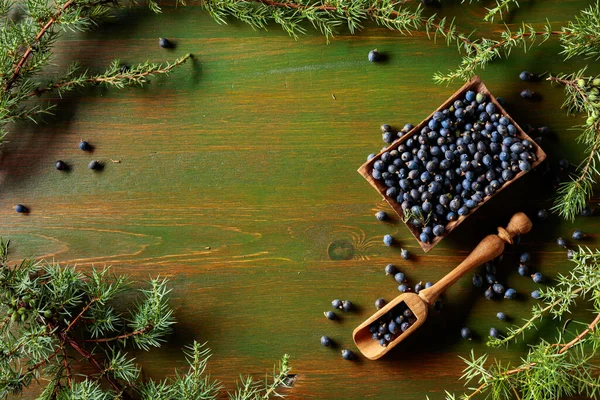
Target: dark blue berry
<point>537,277</point>
<point>379,303</point>
<point>586,212</point>
<point>510,293</point>
<point>493,332</point>
<point>330,315</point>
<point>526,94</point>
<point>383,342</point>
<point>501,316</point>
<point>523,270</point>
<point>561,242</point>
<point>524,258</point>
<point>428,285</point>
<point>466,333</point>
<point>85,146</point>
<point>60,165</point>
<point>498,288</point>
<point>347,306</point>
<point>404,254</point>
<point>385,128</point>
<point>381,215</point>
<point>489,293</point>
<point>393,328</point>
<point>563,164</point>
<point>95,165</point>
<point>20,208</point>
<point>477,280</point>
<point>402,288</point>
<point>388,240</point>
<point>407,313</point>
<point>536,294</point>
<point>418,287</point>
<point>570,254</point>
<point>374,55</point>
<point>325,341</point>
<point>542,214</point>
<point>399,277</point>
<point>390,269</point>
<point>525,76</point>
<point>336,304</point>
<point>347,354</point>
<point>165,43</point>
<point>578,235</point>
<point>438,230</point>
<point>404,326</point>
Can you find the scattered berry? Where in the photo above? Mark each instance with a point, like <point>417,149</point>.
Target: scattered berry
<point>404,254</point>
<point>466,333</point>
<point>390,269</point>
<point>564,164</point>
<point>477,280</point>
<point>493,332</point>
<point>330,315</point>
<point>374,55</point>
<point>536,294</point>
<point>498,288</point>
<point>402,288</point>
<point>537,277</point>
<point>336,304</point>
<point>418,287</point>
<point>60,165</point>
<point>578,235</point>
<point>542,214</point>
<point>347,306</point>
<point>525,257</point>
<point>561,242</point>
<point>489,293</point>
<point>95,165</point>
<point>388,240</point>
<point>85,146</point>
<point>570,254</point>
<point>381,215</point>
<point>400,277</point>
<point>325,341</point>
<point>165,43</point>
<point>20,208</point>
<point>379,303</point>
<point>124,69</point>
<point>523,270</point>
<point>347,354</point>
<point>526,94</point>
<point>438,305</point>
<point>501,316</point>
<point>586,212</point>
<point>525,76</point>
<point>510,293</point>
<point>385,128</point>
<point>428,285</point>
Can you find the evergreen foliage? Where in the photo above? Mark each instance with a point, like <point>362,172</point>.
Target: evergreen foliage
<point>55,315</point>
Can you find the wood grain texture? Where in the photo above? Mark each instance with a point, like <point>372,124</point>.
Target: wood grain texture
<point>238,182</point>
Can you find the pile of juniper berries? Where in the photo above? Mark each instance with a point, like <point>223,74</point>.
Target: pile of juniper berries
<point>466,153</point>
<point>392,324</point>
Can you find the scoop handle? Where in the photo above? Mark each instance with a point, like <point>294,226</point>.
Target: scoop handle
<point>489,248</point>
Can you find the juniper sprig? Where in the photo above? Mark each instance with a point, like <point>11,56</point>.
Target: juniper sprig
<point>27,50</point>
<point>55,315</point>
<point>565,368</point>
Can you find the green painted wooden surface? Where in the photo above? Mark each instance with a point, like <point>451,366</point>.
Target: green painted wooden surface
<point>238,172</point>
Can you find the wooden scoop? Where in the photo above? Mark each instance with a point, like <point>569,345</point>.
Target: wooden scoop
<point>489,248</point>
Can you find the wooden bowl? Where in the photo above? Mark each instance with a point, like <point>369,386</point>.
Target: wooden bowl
<point>476,85</point>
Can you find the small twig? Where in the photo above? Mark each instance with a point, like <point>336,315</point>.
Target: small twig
<point>124,336</point>
<point>29,50</point>
<point>87,307</point>
<point>67,368</point>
